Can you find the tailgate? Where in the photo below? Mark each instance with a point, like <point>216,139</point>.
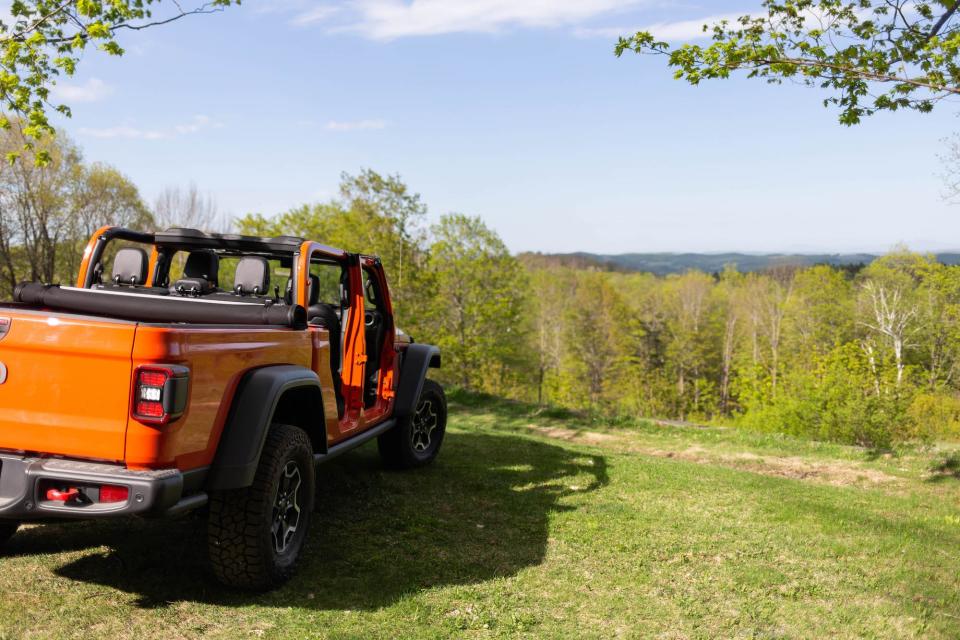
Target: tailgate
<point>67,384</point>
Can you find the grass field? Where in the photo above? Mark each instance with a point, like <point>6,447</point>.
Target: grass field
<point>545,525</point>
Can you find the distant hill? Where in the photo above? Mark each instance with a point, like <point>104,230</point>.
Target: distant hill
<point>663,263</point>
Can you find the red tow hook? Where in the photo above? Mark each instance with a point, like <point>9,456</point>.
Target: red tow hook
<point>63,496</point>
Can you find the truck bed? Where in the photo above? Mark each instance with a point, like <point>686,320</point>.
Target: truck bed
<point>68,386</point>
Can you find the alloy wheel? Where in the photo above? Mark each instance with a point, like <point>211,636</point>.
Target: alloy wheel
<point>286,507</point>
<point>425,421</point>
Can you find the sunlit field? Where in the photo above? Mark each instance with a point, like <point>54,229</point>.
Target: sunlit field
<point>548,525</point>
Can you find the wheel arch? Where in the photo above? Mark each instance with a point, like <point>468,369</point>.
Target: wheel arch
<point>417,359</point>
<point>288,394</point>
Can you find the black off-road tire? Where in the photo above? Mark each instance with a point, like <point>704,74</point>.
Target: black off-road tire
<point>416,440</point>
<point>248,538</point>
<point>7,529</point>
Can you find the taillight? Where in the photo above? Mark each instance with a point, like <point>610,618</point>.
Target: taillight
<point>81,495</point>
<point>114,493</point>
<point>160,393</point>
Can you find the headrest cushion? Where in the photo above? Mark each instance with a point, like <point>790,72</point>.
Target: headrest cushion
<point>204,265</point>
<point>130,266</point>
<point>252,276</point>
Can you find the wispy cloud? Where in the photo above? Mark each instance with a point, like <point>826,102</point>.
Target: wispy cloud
<point>684,30</point>
<point>92,90</point>
<point>314,15</point>
<point>392,19</point>
<point>123,131</point>
<point>198,123</point>
<point>355,125</point>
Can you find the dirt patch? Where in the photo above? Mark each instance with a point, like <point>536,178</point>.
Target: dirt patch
<point>836,472</point>
<point>571,435</point>
<point>833,472</point>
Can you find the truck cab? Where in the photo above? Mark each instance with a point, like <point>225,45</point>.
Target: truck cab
<point>160,381</point>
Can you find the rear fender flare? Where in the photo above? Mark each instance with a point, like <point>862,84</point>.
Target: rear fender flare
<point>417,358</point>
<point>252,411</point>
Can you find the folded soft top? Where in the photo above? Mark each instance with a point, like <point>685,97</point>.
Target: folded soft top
<point>151,308</point>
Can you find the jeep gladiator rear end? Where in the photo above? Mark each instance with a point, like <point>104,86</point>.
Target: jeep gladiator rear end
<point>138,396</point>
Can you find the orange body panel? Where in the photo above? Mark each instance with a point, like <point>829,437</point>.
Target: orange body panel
<point>321,366</point>
<point>67,390</point>
<point>217,359</point>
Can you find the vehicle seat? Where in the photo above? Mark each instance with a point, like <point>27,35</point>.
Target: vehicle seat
<point>312,297</point>
<point>252,277</point>
<point>130,267</point>
<point>321,314</point>
<point>205,265</point>
<point>200,274</point>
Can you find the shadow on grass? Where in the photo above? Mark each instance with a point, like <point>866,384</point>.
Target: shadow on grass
<point>947,469</point>
<point>481,512</point>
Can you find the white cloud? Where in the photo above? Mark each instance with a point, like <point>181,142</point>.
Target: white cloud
<point>198,123</point>
<point>391,19</point>
<point>92,90</point>
<point>314,15</point>
<point>356,125</point>
<point>683,30</point>
<point>123,131</point>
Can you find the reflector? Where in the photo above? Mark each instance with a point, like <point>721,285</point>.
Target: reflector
<point>149,409</point>
<point>114,493</point>
<point>153,378</point>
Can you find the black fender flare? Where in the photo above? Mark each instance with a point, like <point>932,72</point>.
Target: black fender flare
<point>251,413</point>
<point>417,358</point>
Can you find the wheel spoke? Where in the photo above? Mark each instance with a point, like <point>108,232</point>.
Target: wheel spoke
<point>286,509</point>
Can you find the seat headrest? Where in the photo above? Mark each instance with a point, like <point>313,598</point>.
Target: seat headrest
<point>252,276</point>
<point>130,266</point>
<point>204,265</point>
<point>314,296</point>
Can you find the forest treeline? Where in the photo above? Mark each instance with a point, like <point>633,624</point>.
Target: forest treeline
<point>868,356</point>
<point>49,211</point>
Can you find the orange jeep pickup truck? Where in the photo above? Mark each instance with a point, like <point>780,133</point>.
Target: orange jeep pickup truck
<point>188,370</point>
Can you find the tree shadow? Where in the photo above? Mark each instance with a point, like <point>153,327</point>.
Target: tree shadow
<point>481,512</point>
<point>947,469</point>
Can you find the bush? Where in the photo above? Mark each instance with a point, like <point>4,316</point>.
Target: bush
<point>837,401</point>
<point>935,416</point>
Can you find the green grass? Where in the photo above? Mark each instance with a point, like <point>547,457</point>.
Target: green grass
<point>544,524</point>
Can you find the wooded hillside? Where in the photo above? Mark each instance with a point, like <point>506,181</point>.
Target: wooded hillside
<point>865,355</point>
<point>868,356</point>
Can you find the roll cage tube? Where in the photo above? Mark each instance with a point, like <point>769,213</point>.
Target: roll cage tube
<point>353,334</point>
<point>93,252</point>
<point>162,243</point>
<point>307,249</point>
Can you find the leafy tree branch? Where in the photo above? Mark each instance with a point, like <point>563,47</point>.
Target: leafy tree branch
<point>871,55</point>
<point>44,39</point>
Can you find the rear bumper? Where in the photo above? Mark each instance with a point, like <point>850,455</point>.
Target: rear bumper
<point>151,492</point>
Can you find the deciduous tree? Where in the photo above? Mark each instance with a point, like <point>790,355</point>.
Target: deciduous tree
<point>43,40</point>
<point>869,55</point>
<point>48,211</point>
<point>479,312</point>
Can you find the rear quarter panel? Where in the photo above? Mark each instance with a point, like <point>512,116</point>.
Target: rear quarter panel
<point>217,358</point>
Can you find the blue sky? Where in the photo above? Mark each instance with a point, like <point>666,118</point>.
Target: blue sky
<point>514,110</point>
